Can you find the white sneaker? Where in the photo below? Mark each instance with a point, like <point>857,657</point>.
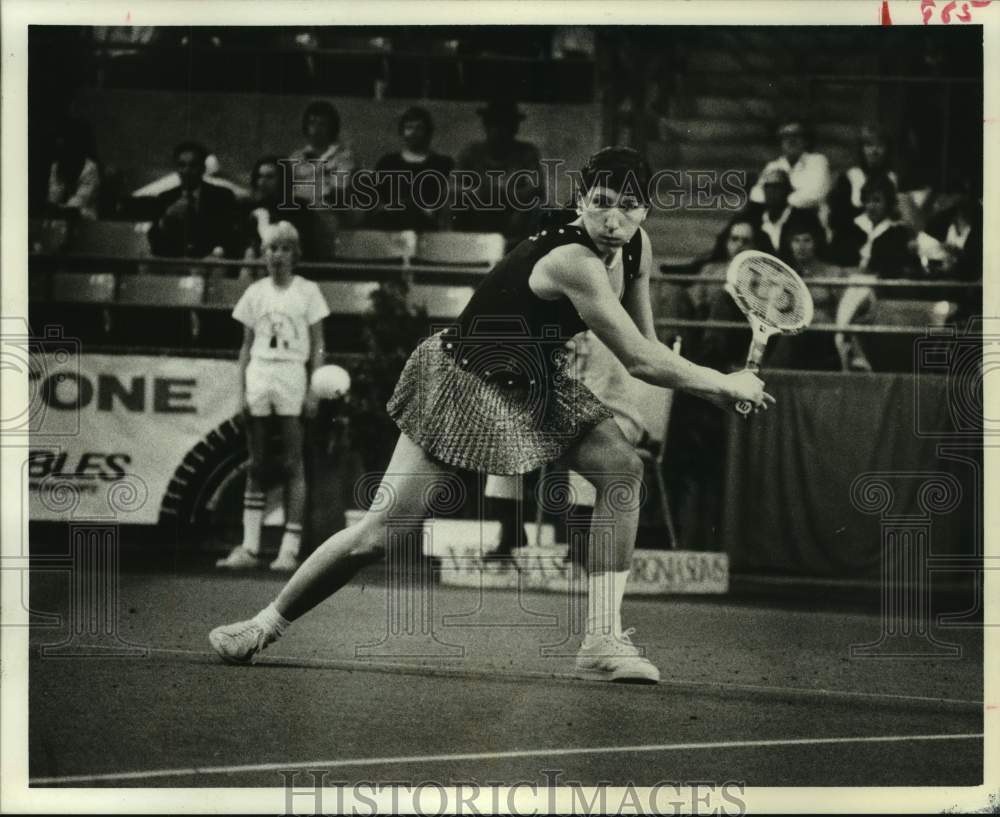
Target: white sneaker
<point>239,559</point>
<point>285,563</point>
<point>239,643</point>
<point>606,658</point>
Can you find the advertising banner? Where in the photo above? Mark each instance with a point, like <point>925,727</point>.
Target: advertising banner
<point>460,545</point>
<point>111,431</point>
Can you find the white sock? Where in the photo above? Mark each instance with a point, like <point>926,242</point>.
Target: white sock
<point>621,579</point>
<point>604,601</point>
<point>253,520</point>
<point>272,621</point>
<point>291,539</point>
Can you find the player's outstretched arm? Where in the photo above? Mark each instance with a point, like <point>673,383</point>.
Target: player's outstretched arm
<point>584,280</point>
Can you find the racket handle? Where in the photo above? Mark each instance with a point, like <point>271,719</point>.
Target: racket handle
<point>744,407</point>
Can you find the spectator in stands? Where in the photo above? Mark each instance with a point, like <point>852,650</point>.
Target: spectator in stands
<point>271,202</point>
<point>951,247</point>
<point>771,216</point>
<point>405,203</point>
<point>323,168</point>
<point>726,347</point>
<point>809,173</point>
<point>804,246</point>
<point>511,201</point>
<point>951,243</point>
<point>876,241</point>
<point>74,174</point>
<point>196,219</point>
<point>873,159</point>
<point>214,174</point>
<point>742,233</point>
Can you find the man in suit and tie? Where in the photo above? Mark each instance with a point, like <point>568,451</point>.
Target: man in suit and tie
<point>197,219</point>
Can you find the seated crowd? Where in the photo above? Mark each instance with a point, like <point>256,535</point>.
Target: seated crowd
<point>197,212</point>
<point>850,226</point>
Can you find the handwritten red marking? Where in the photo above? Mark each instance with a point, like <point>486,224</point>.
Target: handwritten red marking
<point>128,17</point>
<point>962,12</point>
<point>886,19</point>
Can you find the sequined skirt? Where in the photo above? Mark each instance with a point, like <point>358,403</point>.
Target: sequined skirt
<point>483,416</point>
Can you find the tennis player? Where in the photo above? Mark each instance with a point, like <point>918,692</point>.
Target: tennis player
<point>495,394</point>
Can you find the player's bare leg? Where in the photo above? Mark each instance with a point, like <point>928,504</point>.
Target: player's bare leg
<point>402,495</point>
<point>609,461</point>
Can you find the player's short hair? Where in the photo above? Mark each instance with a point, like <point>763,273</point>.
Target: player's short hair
<point>281,231</point>
<point>880,183</point>
<point>321,107</point>
<point>417,114</point>
<point>620,168</point>
<point>190,146</point>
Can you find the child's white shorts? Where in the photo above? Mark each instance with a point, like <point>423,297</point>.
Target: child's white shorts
<point>275,387</point>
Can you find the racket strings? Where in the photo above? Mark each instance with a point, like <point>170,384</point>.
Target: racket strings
<point>771,292</point>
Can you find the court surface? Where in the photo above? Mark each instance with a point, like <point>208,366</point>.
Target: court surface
<point>480,690</point>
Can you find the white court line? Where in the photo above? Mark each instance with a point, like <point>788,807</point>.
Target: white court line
<point>490,674</point>
<point>319,765</point>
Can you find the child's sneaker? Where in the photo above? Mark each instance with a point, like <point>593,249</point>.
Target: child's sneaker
<point>607,658</point>
<point>285,563</point>
<point>239,559</point>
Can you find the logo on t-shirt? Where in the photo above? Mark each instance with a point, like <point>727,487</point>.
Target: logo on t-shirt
<point>280,330</point>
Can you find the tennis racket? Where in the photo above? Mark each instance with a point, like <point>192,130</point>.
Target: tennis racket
<point>774,299</point>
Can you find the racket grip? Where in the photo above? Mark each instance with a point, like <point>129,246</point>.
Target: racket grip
<point>744,407</point>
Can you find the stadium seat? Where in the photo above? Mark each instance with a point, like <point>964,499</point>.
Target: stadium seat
<point>47,235</point>
<point>83,288</point>
<point>39,285</point>
<point>162,290</point>
<point>349,301</point>
<point>348,297</point>
<point>223,293</point>
<point>121,239</point>
<point>326,227</point>
<point>79,305</point>
<point>440,300</point>
<point>375,245</point>
<point>895,353</point>
<point>149,310</point>
<point>217,327</point>
<point>471,249</point>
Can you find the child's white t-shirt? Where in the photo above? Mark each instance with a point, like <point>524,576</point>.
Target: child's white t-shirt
<point>281,317</point>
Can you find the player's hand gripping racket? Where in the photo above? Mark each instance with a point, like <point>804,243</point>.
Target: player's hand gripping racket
<point>773,297</point>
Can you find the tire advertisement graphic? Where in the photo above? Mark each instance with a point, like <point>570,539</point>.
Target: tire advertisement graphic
<point>168,424</point>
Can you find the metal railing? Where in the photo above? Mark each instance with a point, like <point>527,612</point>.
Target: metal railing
<point>469,276</point>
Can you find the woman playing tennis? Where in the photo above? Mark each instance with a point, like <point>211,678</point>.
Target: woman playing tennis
<point>495,394</point>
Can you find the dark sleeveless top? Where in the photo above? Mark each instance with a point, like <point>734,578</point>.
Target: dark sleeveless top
<point>505,316</point>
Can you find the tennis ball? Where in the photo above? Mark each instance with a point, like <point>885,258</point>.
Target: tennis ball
<point>329,382</point>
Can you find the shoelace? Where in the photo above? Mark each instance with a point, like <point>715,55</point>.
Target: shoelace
<point>621,645</point>
<point>625,639</point>
<point>259,637</point>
